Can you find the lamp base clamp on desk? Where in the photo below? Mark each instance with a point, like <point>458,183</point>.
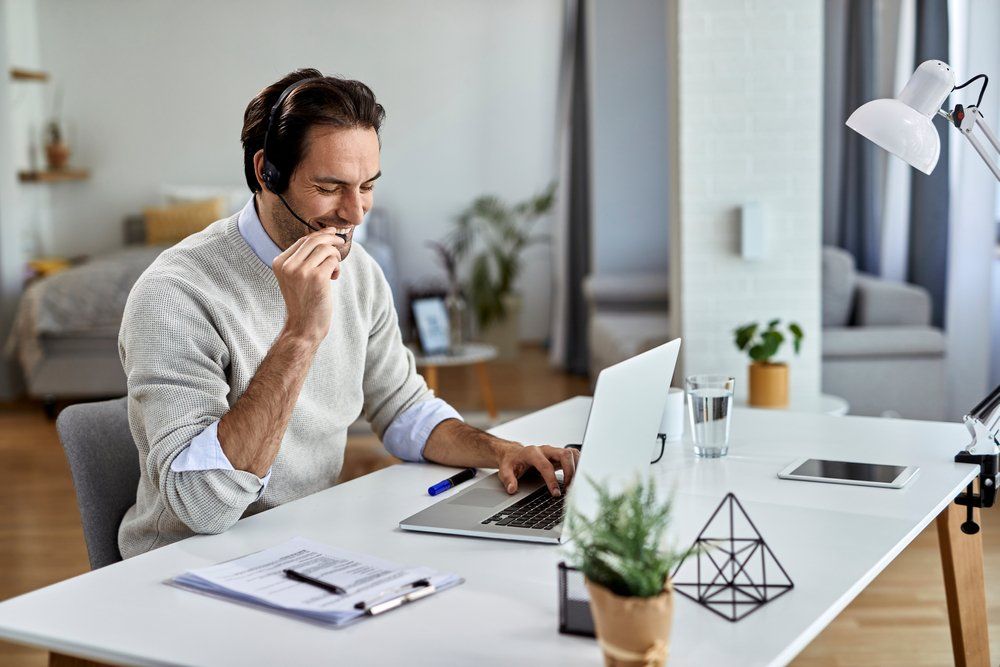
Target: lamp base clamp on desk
<point>983,422</point>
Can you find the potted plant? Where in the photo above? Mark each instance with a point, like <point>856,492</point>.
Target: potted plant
<point>627,572</point>
<point>768,379</point>
<point>492,235</point>
<point>56,151</point>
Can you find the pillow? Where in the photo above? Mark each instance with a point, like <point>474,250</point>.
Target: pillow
<point>170,224</point>
<point>236,196</point>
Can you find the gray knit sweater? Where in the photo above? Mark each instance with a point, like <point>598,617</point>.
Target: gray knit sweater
<point>197,325</point>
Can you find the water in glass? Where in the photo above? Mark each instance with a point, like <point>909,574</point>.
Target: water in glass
<point>710,402</point>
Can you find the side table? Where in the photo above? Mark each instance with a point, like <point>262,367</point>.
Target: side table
<point>469,354</point>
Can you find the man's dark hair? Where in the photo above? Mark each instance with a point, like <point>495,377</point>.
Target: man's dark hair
<point>326,101</point>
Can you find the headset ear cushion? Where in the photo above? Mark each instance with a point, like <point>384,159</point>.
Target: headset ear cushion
<point>271,176</point>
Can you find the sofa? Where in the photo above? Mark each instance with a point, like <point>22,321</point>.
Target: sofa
<point>879,349</point>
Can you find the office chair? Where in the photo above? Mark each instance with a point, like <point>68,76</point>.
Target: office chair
<point>105,467</point>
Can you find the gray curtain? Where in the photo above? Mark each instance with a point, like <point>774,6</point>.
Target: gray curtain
<point>929,195</point>
<point>851,182</point>
<point>577,238</point>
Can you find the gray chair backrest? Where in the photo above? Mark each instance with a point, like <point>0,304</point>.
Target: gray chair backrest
<point>105,467</point>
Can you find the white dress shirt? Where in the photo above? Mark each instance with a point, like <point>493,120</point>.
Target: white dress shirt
<point>405,438</point>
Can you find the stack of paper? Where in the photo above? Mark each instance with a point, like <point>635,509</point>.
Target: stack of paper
<point>368,582</point>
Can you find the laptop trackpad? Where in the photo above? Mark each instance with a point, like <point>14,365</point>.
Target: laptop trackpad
<point>481,498</point>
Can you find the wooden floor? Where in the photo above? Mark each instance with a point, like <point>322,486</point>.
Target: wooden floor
<point>901,619</point>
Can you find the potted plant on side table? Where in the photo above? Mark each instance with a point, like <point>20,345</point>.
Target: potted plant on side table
<point>768,379</point>
<point>627,572</point>
<point>493,235</point>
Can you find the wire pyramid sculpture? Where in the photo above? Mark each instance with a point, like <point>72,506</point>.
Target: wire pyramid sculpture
<point>735,572</point>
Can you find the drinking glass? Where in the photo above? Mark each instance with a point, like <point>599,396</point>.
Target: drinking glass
<point>710,402</point>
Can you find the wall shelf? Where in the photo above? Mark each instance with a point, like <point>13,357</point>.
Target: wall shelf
<point>21,74</point>
<point>53,176</point>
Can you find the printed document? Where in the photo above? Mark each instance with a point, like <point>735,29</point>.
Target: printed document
<point>260,579</point>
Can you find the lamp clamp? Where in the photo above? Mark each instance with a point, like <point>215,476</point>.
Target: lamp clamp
<point>988,464</point>
<point>983,422</point>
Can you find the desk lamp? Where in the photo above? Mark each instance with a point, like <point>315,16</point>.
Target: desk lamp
<point>903,126</point>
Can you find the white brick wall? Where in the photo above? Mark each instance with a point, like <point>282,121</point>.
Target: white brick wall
<point>746,129</point>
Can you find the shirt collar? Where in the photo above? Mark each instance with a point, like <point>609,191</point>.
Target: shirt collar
<point>254,234</point>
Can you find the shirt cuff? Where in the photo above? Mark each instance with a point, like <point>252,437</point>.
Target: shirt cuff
<point>407,435</point>
<point>204,452</point>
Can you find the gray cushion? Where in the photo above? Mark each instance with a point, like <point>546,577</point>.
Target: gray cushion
<point>105,466</point>
<point>839,279</point>
<point>885,342</point>
<point>886,303</point>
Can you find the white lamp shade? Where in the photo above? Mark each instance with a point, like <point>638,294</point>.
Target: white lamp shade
<point>899,129</point>
<point>902,125</point>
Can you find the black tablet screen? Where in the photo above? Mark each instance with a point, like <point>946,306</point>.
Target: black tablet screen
<point>860,472</point>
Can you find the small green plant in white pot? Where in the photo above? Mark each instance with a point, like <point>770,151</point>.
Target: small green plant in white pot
<point>627,571</point>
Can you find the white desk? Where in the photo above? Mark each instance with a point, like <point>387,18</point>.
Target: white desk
<point>832,539</point>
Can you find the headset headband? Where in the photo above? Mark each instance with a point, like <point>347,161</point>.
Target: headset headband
<point>271,174</point>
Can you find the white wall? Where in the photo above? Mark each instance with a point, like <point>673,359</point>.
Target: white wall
<point>748,124</point>
<point>155,93</point>
<point>23,207</point>
<point>629,129</point>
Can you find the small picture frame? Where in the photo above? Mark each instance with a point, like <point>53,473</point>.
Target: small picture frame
<point>431,317</point>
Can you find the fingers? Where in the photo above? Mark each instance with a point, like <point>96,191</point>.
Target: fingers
<point>508,476</point>
<point>280,260</point>
<point>566,458</point>
<point>313,243</point>
<point>331,266</point>
<point>544,466</point>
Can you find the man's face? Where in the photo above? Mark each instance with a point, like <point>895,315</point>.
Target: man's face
<point>331,187</point>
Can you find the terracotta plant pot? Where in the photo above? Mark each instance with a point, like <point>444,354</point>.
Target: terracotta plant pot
<point>632,631</point>
<point>57,155</point>
<point>505,334</point>
<point>768,385</point>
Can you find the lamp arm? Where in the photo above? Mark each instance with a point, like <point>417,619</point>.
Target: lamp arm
<point>967,122</point>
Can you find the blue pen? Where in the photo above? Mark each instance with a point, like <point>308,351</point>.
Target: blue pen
<point>452,481</point>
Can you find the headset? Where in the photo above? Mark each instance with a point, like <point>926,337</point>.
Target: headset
<point>274,179</point>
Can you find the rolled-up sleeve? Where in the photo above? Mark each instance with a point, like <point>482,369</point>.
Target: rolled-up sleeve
<point>175,361</point>
<point>205,453</point>
<point>407,435</point>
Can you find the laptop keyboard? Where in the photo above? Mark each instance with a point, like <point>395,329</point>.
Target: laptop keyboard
<point>539,510</point>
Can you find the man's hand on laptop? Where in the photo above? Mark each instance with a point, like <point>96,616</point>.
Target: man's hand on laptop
<point>455,443</point>
<point>517,460</point>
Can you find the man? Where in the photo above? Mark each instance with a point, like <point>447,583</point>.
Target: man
<point>251,346</point>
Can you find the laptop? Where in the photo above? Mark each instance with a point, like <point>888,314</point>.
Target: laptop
<point>629,399</point>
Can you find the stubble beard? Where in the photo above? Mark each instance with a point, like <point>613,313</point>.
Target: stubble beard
<point>289,230</point>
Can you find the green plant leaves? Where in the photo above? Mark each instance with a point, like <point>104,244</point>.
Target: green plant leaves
<point>492,235</point>
<point>620,548</point>
<point>764,346</point>
<point>744,335</point>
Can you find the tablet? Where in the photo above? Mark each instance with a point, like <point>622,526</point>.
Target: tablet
<point>849,472</point>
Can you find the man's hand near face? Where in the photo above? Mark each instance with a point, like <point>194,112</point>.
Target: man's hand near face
<point>304,271</point>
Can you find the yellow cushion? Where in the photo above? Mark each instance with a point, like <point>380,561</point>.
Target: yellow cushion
<point>170,224</point>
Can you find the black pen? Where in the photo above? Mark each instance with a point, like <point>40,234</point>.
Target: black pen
<point>306,579</point>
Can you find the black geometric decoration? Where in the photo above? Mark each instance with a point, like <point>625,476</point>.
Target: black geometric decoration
<point>735,572</point>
